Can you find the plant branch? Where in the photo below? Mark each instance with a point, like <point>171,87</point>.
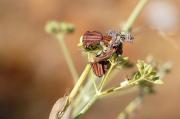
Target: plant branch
<point>106,77</point>
<point>95,85</point>
<point>75,90</point>
<point>131,107</point>
<point>79,82</point>
<point>120,88</point>
<point>117,90</point>
<point>92,101</point>
<point>134,15</point>
<point>87,92</point>
<point>67,56</point>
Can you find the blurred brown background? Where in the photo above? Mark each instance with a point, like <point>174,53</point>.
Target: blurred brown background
<point>33,72</point>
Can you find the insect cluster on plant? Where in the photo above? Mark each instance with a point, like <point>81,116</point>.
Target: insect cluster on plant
<point>104,47</point>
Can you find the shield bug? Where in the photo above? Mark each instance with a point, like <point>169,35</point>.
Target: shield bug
<point>111,43</point>
<point>100,68</point>
<point>101,64</point>
<point>91,40</point>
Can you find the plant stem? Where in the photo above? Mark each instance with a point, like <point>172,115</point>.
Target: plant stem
<point>75,90</point>
<point>87,91</point>
<point>106,77</point>
<point>134,15</point>
<point>131,107</point>
<point>79,82</point>
<point>67,56</point>
<point>121,88</point>
<point>118,91</point>
<point>89,105</point>
<point>95,85</point>
<point>99,95</point>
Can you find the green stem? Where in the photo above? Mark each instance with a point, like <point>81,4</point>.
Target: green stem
<point>79,82</point>
<point>117,91</point>
<point>85,94</point>
<point>67,56</point>
<point>95,85</point>
<point>131,107</point>
<point>106,77</point>
<point>134,15</point>
<point>75,90</point>
<point>120,88</point>
<point>89,104</point>
<point>100,94</point>
<point>86,88</point>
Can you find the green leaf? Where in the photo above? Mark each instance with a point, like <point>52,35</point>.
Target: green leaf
<point>155,78</point>
<point>152,73</point>
<point>140,66</point>
<point>136,76</point>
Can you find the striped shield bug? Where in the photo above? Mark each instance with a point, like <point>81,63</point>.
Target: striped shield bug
<point>111,43</point>
<point>91,40</point>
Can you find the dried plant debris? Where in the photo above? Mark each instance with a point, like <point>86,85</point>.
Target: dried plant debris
<point>57,109</point>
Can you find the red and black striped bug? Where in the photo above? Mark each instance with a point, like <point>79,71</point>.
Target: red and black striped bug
<point>113,41</point>
<point>91,40</point>
<point>100,68</point>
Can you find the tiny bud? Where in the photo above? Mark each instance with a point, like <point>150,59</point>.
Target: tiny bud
<point>66,27</point>
<point>54,27</point>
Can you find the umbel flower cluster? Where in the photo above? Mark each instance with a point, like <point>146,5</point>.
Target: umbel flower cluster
<point>103,48</point>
